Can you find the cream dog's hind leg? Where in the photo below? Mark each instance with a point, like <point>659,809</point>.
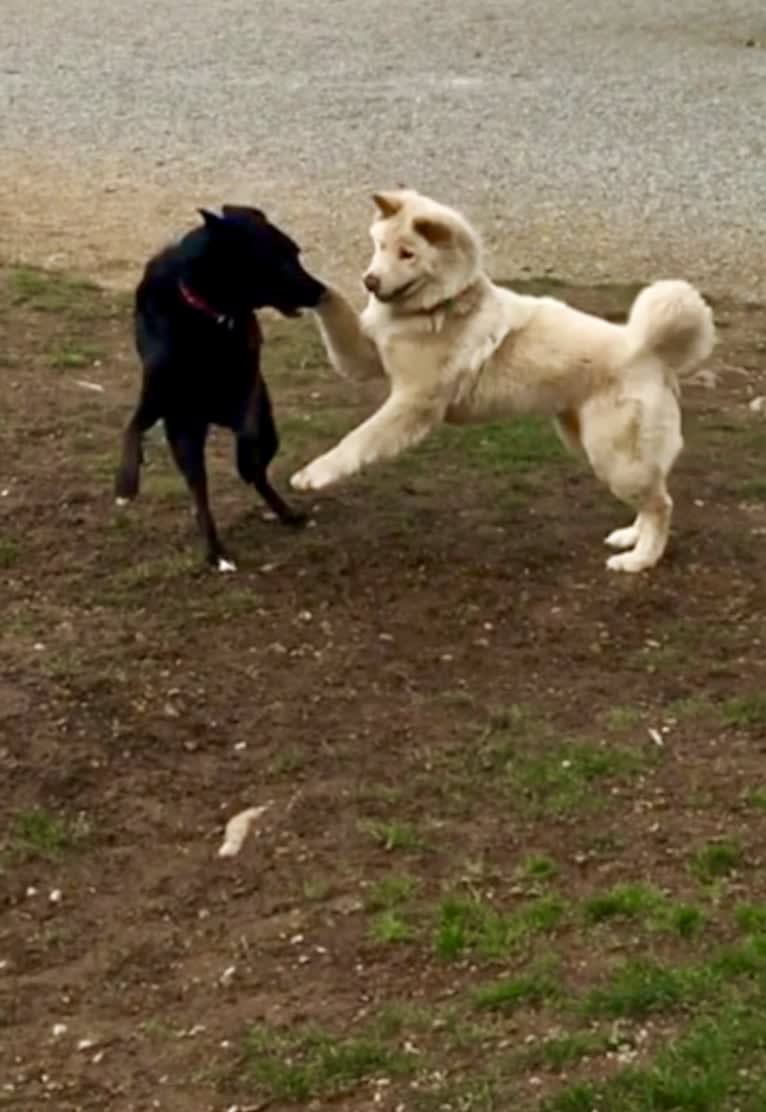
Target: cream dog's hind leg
<point>632,444</point>
<point>625,538</point>
<point>651,532</point>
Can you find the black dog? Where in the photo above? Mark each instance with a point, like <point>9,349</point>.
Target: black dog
<point>199,342</point>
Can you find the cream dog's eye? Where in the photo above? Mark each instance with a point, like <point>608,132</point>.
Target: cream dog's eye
<point>405,254</point>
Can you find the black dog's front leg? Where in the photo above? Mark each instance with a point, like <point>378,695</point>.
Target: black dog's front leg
<point>188,448</point>
<point>257,444</point>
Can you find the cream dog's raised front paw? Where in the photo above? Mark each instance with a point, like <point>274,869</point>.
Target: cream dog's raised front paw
<point>319,473</point>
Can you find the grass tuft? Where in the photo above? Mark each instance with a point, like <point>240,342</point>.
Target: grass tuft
<point>309,1064</point>
<point>715,1066</point>
<point>37,833</point>
<point>469,925</point>
<point>642,988</point>
<point>531,989</point>
<point>643,903</point>
<point>624,901</point>
<point>389,926</point>
<point>562,780</point>
<point>746,711</point>
<point>537,867</point>
<point>392,835</point>
<point>391,891</point>
<point>9,552</point>
<point>717,860</point>
<point>751,918</point>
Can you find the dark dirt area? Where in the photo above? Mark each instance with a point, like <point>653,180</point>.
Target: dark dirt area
<point>514,851</point>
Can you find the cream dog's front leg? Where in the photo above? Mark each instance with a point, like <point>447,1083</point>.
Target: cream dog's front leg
<point>351,352</point>
<point>400,423</point>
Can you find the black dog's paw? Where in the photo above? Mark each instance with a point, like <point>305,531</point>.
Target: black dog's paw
<point>125,486</point>
<point>220,560</point>
<point>295,519</point>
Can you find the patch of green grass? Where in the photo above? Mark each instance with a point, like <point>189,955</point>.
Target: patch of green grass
<point>323,424</point>
<point>693,706</point>
<point>542,914</point>
<point>287,761</point>
<point>294,349</point>
<point>563,778</point>
<point>170,566</point>
<point>515,718</point>
<point>717,860</point>
<point>302,1065</point>
<point>37,833</point>
<point>102,466</point>
<point>683,919</point>
<point>73,355</point>
<point>644,903</point>
<point>607,844</point>
<point>746,711</point>
<point>9,552</point>
<point>642,988</point>
<point>157,1029</point>
<point>747,958</point>
<point>467,925</point>
<point>388,926</point>
<point>398,1018</point>
<point>472,1093</point>
<point>509,447</point>
<point>530,989</point>
<point>623,901</point>
<point>536,866</point>
<point>756,798</point>
<point>391,891</point>
<point>316,890</point>
<point>162,483</point>
<point>715,1066</point>
<point>753,488</point>
<point>392,835</point>
<point>622,718</point>
<point>751,917</point>
<point>561,1051</point>
<point>51,292</point>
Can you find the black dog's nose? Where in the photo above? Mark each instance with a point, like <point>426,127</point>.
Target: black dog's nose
<point>372,282</point>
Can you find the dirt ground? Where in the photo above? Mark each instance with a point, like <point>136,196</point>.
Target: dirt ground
<point>488,762</point>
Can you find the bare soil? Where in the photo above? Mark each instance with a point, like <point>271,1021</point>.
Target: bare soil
<point>391,680</point>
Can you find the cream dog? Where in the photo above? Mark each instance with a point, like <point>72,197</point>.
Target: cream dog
<point>457,348</point>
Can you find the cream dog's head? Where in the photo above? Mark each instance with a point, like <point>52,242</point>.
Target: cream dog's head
<point>424,253</point>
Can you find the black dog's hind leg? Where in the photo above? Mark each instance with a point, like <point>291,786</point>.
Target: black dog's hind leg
<point>253,468</point>
<point>147,413</point>
<point>257,445</point>
<point>188,448</point>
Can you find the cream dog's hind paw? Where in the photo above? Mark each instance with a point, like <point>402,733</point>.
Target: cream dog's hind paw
<point>623,538</point>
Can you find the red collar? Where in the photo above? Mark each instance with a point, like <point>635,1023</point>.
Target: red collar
<point>199,303</point>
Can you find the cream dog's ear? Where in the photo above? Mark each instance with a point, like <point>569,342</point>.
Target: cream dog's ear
<point>388,204</point>
<point>433,231</point>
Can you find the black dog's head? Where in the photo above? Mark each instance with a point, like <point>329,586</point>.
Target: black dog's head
<point>252,263</point>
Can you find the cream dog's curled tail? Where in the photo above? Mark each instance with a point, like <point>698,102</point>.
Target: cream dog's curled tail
<point>671,321</point>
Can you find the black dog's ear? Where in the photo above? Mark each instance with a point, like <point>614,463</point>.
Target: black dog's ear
<point>245,212</point>
<point>212,219</point>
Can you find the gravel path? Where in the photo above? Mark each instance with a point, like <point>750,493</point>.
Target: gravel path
<point>591,137</point>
